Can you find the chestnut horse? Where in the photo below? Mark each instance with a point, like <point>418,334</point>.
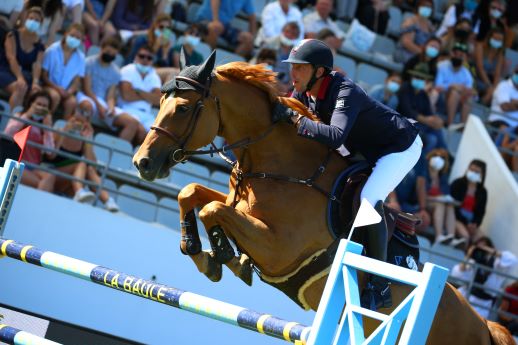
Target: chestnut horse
<point>279,224</point>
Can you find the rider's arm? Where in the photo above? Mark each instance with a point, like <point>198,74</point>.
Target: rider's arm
<point>345,112</point>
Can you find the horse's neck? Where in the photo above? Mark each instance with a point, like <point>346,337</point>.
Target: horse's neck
<point>245,114</point>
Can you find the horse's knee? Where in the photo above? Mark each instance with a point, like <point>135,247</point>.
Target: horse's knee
<point>187,196</point>
<point>210,212</point>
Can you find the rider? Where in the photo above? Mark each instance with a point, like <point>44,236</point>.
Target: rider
<point>351,121</point>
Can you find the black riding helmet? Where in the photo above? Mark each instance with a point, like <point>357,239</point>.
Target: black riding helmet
<point>314,52</point>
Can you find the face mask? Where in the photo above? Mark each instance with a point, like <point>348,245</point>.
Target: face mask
<point>392,86</point>
<point>470,5</point>
<point>461,34</point>
<point>456,62</point>
<point>424,11</point>
<point>37,118</point>
<point>269,67</point>
<point>105,57</point>
<point>158,33</point>
<point>497,44</point>
<point>193,41</point>
<point>287,42</point>
<point>32,25</point>
<point>515,78</point>
<point>142,68</point>
<point>437,162</point>
<point>432,52</point>
<point>496,13</point>
<point>473,176</point>
<point>418,84</point>
<point>72,42</point>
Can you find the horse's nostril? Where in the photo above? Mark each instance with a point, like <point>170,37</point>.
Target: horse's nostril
<point>144,164</point>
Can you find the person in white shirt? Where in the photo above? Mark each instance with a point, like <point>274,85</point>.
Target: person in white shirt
<point>140,90</point>
<point>273,18</point>
<point>462,9</point>
<point>319,19</point>
<point>505,103</point>
<point>454,83</point>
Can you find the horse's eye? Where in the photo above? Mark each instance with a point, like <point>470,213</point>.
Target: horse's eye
<point>182,108</point>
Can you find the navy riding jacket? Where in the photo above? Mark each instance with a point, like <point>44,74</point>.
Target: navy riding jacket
<point>353,119</point>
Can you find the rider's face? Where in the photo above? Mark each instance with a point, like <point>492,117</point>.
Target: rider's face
<point>300,75</point>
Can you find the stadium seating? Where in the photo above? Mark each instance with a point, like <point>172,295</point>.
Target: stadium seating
<point>137,203</point>
<point>168,213</point>
<point>121,152</point>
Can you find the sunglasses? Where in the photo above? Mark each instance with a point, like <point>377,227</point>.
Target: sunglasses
<point>145,57</point>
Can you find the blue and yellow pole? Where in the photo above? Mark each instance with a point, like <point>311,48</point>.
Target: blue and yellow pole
<point>215,309</point>
<point>11,335</point>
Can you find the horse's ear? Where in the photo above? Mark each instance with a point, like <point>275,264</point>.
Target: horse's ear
<point>182,59</point>
<point>206,68</point>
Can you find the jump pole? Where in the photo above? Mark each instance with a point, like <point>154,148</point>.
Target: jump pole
<point>11,335</point>
<point>209,307</point>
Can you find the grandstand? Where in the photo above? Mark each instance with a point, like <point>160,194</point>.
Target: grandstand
<point>145,232</point>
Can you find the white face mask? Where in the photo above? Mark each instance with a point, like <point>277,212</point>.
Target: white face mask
<point>437,162</point>
<point>473,176</point>
<point>287,42</point>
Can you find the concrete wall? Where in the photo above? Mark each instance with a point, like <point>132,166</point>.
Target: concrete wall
<point>501,220</point>
<point>134,247</point>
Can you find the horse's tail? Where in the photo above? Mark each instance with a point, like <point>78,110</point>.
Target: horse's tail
<point>499,334</point>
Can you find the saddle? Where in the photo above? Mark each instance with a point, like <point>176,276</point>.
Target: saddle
<point>403,246</point>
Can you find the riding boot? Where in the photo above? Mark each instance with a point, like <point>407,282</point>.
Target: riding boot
<point>377,293</point>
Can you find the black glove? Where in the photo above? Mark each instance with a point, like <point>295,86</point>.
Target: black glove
<point>280,112</point>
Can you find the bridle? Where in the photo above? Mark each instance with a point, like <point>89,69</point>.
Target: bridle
<point>180,155</point>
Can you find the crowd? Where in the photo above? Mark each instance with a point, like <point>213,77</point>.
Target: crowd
<point>450,60</point>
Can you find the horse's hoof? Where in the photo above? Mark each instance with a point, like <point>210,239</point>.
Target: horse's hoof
<point>245,271</point>
<point>214,269</point>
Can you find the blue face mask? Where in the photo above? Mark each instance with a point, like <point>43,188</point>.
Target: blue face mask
<point>496,44</point>
<point>470,5</point>
<point>158,33</point>
<point>418,84</point>
<point>37,117</point>
<point>142,68</point>
<point>515,79</point>
<point>424,11</point>
<point>193,41</point>
<point>32,25</point>
<point>496,13</point>
<point>432,52</point>
<point>72,42</point>
<point>392,86</point>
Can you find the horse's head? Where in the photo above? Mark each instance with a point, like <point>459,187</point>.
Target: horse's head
<point>188,119</point>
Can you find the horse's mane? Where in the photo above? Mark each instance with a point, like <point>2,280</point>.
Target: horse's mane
<point>262,78</point>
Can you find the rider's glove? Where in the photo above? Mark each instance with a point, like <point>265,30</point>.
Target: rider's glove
<point>280,112</point>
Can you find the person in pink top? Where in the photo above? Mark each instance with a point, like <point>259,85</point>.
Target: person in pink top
<point>37,110</point>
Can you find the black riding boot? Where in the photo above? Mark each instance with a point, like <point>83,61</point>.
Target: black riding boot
<point>377,292</point>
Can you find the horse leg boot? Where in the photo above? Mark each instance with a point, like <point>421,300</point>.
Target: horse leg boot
<point>377,294</point>
<point>191,245</point>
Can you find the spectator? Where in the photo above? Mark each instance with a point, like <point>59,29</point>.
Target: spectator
<point>410,195</point>
<point>483,253</point>
<point>54,12</point>
<point>20,68</point>
<point>133,17</point>
<point>509,305</point>
<point>440,203</point>
<point>74,9</point>
<point>489,61</point>
<point>429,55</point>
<point>9,12</point>
<point>505,104</point>
<point>471,194</point>
<point>414,103</point>
<point>160,38</point>
<point>217,15</point>
<point>189,41</point>
<point>100,90</point>
<point>456,12</point>
<point>37,110</point>
<point>320,19</point>
<point>139,90</point>
<point>96,19</point>
<point>462,32</point>
<point>455,84</point>
<point>274,17</point>
<point>387,93</point>
<point>415,31</point>
<point>374,15</point>
<point>282,45</point>
<point>79,125</point>
<point>489,15</point>
<point>510,143</point>
<point>63,68</point>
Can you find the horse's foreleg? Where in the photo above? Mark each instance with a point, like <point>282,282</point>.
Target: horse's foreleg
<point>222,220</point>
<point>190,197</point>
